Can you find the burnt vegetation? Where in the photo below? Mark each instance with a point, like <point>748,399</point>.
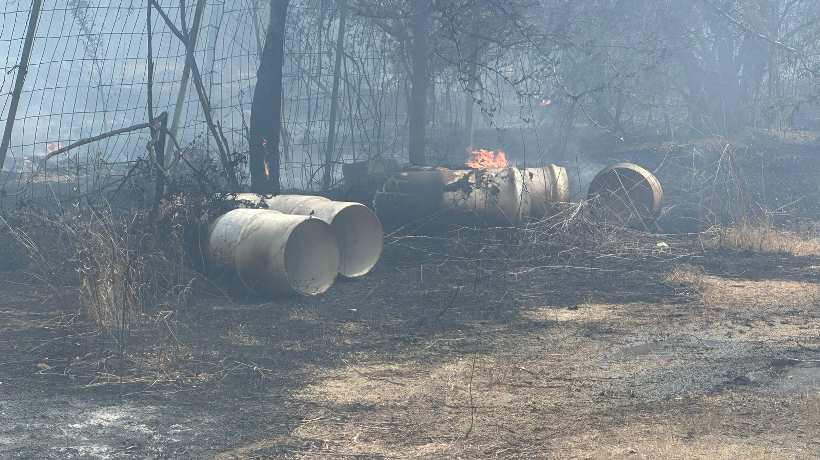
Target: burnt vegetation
<point>590,229</point>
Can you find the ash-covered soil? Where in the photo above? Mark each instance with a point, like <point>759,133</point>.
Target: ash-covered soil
<point>673,350</point>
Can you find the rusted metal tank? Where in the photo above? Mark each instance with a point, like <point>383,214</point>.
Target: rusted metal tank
<point>492,195</point>
<point>626,194</point>
<point>499,196</point>
<point>411,195</point>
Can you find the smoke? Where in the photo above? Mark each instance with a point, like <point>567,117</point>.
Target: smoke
<point>581,172</point>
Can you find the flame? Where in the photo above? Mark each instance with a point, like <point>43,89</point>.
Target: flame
<point>52,147</point>
<point>267,169</point>
<point>487,159</point>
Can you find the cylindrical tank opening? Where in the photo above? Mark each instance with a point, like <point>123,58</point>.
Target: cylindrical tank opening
<point>361,239</point>
<point>626,194</point>
<point>311,257</point>
<point>274,253</point>
<point>358,231</point>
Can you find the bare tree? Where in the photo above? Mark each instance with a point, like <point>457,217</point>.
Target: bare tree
<point>410,23</point>
<point>420,56</point>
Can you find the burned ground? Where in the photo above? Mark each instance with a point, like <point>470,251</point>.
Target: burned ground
<point>655,350</point>
<point>558,339</point>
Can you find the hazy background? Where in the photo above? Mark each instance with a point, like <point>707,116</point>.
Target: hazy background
<point>556,78</point>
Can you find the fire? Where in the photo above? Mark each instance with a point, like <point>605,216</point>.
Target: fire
<point>487,159</point>
<point>267,169</point>
<point>52,147</point>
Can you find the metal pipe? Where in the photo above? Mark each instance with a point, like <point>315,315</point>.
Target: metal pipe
<point>274,253</point>
<point>358,231</point>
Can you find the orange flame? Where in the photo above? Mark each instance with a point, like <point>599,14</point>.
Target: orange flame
<point>267,169</point>
<point>52,147</point>
<point>487,159</point>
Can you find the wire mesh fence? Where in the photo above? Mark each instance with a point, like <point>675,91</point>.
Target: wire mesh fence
<point>88,75</point>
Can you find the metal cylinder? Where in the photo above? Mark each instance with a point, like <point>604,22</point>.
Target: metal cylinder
<point>626,194</point>
<point>543,188</point>
<point>358,231</point>
<point>494,195</point>
<point>274,253</point>
<point>410,195</point>
<point>497,195</point>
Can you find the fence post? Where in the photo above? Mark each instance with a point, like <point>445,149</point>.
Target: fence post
<point>159,126</point>
<point>327,177</point>
<point>186,71</point>
<point>21,78</point>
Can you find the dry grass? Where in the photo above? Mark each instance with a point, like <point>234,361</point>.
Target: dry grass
<point>112,276</point>
<point>764,294</point>
<point>239,335</point>
<point>660,442</point>
<point>764,238</point>
<point>716,291</point>
<point>686,274</point>
<point>124,270</point>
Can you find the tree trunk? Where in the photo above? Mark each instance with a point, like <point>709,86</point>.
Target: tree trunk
<point>469,99</point>
<point>266,108</point>
<point>420,82</point>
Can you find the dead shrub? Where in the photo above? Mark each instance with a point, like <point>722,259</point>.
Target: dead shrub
<point>113,276</point>
<point>125,267</point>
<point>130,268</point>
